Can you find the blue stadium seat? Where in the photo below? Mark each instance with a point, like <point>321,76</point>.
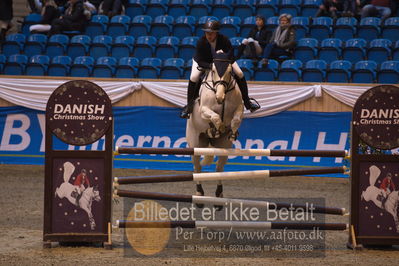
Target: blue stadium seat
<point>14,44</point>
<point>177,8</point>
<point>187,47</point>
<point>37,65</point>
<point>172,68</point>
<point>104,67</point>
<point>369,28</point>
<point>3,60</point>
<point>230,26</point>
<point>97,26</point>
<point>184,26</point>
<point>187,69</point>
<point>272,22</point>
<point>364,72</point>
<point>390,29</point>
<point>248,24</point>
<point>162,26</point>
<point>379,50</point>
<point>157,8</point>
<point>119,25</point>
<point>200,8</point>
<point>388,72</point>
<point>30,20</point>
<point>345,28</point>
<point>291,7</point>
<point>306,49</point>
<point>140,26</point>
<point>354,50</point>
<point>122,47</point>
<point>301,26</point>
<point>222,8</point>
<point>310,7</point>
<point>244,8</point>
<point>330,50</point>
<point>78,46</point>
<point>35,44</point>
<point>201,22</point>
<point>145,47</point>
<point>100,46</point>
<point>290,70</point>
<point>57,45</point>
<point>15,65</point>
<point>246,66</point>
<point>135,8</point>
<point>267,8</point>
<point>236,41</point>
<point>314,71</point>
<point>339,71</point>
<point>127,67</point>
<point>149,68</point>
<point>82,66</point>
<point>167,47</point>
<point>321,28</point>
<point>268,73</point>
<point>59,66</point>
<point>395,51</point>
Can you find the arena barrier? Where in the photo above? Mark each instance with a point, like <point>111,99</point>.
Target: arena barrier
<point>224,201</point>
<point>231,152</point>
<point>231,225</point>
<point>215,176</point>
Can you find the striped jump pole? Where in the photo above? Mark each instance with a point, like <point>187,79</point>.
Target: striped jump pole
<point>224,201</point>
<point>258,174</point>
<point>231,224</point>
<point>231,152</point>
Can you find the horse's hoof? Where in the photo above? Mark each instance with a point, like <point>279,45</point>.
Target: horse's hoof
<point>219,194</point>
<point>199,192</point>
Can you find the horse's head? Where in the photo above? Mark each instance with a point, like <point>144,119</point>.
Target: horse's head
<point>221,76</point>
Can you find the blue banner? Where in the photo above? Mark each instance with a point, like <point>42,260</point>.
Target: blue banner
<point>22,138</point>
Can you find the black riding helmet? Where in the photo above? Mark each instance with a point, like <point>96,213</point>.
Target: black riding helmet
<point>211,26</point>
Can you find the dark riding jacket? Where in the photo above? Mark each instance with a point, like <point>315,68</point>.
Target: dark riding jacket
<point>203,54</point>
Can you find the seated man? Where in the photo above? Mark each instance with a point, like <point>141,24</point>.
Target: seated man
<point>207,46</point>
<point>331,8</point>
<point>378,8</point>
<point>74,19</point>
<point>282,40</point>
<point>256,41</point>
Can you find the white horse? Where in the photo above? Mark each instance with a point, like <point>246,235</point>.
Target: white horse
<point>375,194</point>
<point>66,189</point>
<point>216,116</point>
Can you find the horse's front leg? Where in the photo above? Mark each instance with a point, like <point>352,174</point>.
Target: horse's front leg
<point>209,115</point>
<point>236,122</point>
<point>197,169</point>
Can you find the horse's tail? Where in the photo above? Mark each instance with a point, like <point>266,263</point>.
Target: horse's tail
<point>207,160</point>
<point>69,168</point>
<point>374,174</point>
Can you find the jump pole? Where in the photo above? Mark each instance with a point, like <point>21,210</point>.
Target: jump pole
<point>231,152</point>
<point>231,224</point>
<point>258,174</point>
<point>222,201</point>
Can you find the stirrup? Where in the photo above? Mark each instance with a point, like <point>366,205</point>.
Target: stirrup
<point>253,106</point>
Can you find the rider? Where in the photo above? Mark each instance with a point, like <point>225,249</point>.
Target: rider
<point>387,186</point>
<point>81,180</point>
<point>213,42</point>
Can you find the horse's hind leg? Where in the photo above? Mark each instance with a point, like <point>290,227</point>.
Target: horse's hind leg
<point>222,160</point>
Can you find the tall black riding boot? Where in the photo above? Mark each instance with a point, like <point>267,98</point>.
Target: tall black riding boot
<point>191,95</point>
<point>242,84</point>
<point>2,35</point>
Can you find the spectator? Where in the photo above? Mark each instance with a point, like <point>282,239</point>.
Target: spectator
<point>96,3</point>
<point>207,46</point>
<point>351,8</point>
<point>256,41</point>
<point>378,8</point>
<point>6,15</point>
<point>111,8</point>
<point>49,13</point>
<point>331,8</point>
<point>35,5</point>
<point>73,20</point>
<point>282,41</point>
